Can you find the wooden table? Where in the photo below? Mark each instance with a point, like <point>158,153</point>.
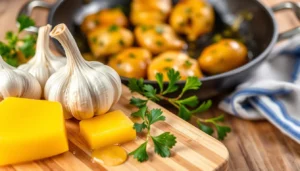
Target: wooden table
<point>253,145</point>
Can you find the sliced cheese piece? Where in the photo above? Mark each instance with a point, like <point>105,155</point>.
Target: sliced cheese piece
<point>30,130</point>
<point>108,129</point>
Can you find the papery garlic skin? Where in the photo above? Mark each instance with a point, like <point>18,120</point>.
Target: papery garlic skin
<point>17,83</point>
<point>44,63</point>
<point>83,88</point>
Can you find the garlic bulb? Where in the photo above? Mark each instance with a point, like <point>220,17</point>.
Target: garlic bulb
<point>17,83</point>
<point>44,63</point>
<point>83,88</point>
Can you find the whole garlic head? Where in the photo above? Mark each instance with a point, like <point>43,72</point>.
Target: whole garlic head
<point>17,83</point>
<point>44,63</point>
<point>83,88</point>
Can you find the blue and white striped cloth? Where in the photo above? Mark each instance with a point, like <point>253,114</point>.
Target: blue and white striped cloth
<point>273,92</point>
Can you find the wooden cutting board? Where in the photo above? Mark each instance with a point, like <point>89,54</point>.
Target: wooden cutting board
<point>194,150</point>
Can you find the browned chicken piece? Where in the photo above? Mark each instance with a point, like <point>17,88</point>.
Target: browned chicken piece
<point>158,38</point>
<point>109,40</point>
<point>192,18</point>
<point>105,17</point>
<point>179,61</point>
<point>149,11</point>
<point>131,62</point>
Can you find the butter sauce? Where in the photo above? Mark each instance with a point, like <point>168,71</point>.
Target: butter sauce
<point>111,155</point>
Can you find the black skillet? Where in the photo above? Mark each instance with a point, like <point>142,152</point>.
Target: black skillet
<point>261,33</point>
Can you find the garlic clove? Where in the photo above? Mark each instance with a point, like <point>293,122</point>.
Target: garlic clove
<point>44,63</point>
<point>55,89</point>
<point>17,83</point>
<point>83,88</point>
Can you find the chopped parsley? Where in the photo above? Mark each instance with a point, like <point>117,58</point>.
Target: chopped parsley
<point>113,28</point>
<point>96,22</point>
<point>159,43</point>
<point>121,42</point>
<point>131,55</point>
<point>168,59</point>
<point>188,10</point>
<point>188,63</point>
<point>94,40</point>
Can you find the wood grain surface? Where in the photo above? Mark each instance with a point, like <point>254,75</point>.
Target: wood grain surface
<point>194,149</point>
<point>253,145</point>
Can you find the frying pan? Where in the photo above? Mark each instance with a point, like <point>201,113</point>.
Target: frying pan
<point>261,33</point>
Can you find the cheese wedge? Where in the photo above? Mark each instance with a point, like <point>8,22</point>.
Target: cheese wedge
<point>30,130</point>
<point>108,129</point>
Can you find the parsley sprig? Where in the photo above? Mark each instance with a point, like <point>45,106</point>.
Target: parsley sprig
<point>187,107</point>
<point>162,143</point>
<point>15,45</point>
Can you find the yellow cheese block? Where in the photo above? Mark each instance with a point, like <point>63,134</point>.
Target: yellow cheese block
<point>108,129</point>
<point>30,130</point>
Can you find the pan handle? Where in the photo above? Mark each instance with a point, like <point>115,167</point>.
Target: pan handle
<point>296,9</point>
<point>29,7</point>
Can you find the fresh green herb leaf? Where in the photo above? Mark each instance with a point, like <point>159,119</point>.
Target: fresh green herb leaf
<point>24,22</point>
<point>188,10</point>
<point>113,28</point>
<point>203,107</point>
<point>5,50</point>
<point>11,38</point>
<point>159,78</point>
<point>159,43</point>
<point>173,77</point>
<point>163,143</point>
<point>131,55</point>
<point>94,40</point>
<point>222,131</point>
<point>140,113</point>
<point>190,101</point>
<point>155,116</point>
<point>192,83</point>
<point>187,64</point>
<point>12,61</point>
<point>96,22</point>
<point>205,128</point>
<point>167,68</point>
<point>28,47</point>
<point>217,119</point>
<point>144,28</point>
<point>140,153</point>
<point>166,138</point>
<point>136,85</point>
<point>150,92</point>
<point>139,127</point>
<point>184,113</point>
<point>138,102</point>
<point>168,59</point>
<point>121,42</point>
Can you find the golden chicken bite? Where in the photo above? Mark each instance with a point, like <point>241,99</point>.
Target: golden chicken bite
<point>192,18</point>
<point>179,61</point>
<point>105,17</point>
<point>131,62</point>
<point>223,56</point>
<point>109,40</point>
<point>158,38</point>
<point>149,12</point>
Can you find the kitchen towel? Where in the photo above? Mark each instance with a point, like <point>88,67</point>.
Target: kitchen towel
<point>273,91</point>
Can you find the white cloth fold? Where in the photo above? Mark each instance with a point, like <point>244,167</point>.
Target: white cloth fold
<point>273,91</point>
